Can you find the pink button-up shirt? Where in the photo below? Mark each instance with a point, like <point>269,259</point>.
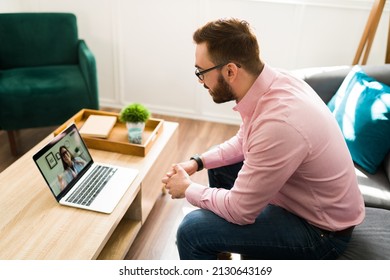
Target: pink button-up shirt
<point>294,156</point>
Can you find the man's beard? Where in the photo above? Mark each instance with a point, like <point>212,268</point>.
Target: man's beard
<point>222,92</point>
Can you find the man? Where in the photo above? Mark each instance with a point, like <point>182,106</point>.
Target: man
<point>284,187</point>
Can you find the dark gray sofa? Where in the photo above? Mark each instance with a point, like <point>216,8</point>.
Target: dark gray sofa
<point>371,239</point>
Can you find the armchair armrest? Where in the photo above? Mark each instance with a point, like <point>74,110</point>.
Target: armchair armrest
<point>87,64</point>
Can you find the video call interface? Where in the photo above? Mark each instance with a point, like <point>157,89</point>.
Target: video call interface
<point>53,164</point>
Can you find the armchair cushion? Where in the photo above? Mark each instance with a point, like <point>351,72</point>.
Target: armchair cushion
<point>362,108</point>
<point>26,91</point>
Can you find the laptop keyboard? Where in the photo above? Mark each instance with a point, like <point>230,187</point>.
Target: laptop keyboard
<point>88,190</point>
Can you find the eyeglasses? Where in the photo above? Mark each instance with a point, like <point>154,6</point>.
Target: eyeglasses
<point>200,74</point>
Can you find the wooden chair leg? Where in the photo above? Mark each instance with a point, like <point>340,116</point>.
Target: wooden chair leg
<point>12,142</point>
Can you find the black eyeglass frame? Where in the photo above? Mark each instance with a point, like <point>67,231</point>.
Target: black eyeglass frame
<point>200,74</point>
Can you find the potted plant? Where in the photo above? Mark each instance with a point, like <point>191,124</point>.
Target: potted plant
<point>134,115</point>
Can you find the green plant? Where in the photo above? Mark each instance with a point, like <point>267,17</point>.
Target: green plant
<point>134,112</point>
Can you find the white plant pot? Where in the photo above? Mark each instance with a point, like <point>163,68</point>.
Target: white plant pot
<point>134,132</point>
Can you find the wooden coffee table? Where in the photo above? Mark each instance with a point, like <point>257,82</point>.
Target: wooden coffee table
<point>34,226</point>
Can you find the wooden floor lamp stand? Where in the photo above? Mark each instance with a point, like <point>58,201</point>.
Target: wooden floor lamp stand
<point>369,34</point>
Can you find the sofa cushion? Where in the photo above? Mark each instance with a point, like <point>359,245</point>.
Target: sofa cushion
<point>361,106</point>
<point>375,188</point>
<point>371,239</point>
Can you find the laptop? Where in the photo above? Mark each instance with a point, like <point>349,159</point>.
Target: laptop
<point>75,179</point>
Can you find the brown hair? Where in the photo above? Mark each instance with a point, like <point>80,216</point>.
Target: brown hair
<point>231,40</point>
<point>64,164</point>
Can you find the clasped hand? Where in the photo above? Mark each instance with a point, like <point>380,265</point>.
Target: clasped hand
<point>177,179</point>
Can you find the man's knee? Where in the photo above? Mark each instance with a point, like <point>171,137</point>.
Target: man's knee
<point>191,221</point>
<point>189,232</point>
<point>195,224</point>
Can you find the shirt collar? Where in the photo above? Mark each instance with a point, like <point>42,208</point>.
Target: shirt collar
<point>261,85</point>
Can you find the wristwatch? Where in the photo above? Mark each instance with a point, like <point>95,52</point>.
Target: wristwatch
<point>198,161</point>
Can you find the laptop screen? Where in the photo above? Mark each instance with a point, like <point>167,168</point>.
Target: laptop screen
<point>63,161</point>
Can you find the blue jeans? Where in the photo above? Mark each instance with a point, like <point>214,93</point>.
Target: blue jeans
<point>276,233</point>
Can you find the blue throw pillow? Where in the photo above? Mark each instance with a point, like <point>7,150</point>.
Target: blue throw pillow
<point>362,109</point>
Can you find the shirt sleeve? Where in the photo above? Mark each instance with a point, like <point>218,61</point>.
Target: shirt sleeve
<point>273,152</point>
<point>227,153</point>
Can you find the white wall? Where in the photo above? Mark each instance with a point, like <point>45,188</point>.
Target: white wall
<point>9,6</point>
<point>144,48</point>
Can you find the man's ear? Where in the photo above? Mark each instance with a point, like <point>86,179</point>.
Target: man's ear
<point>232,71</point>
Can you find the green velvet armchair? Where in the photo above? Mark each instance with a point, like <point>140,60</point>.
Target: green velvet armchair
<point>47,73</point>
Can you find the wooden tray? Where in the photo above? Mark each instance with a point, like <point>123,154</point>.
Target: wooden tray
<point>117,141</point>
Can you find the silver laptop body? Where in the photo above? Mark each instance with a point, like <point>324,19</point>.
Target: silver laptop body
<point>71,183</point>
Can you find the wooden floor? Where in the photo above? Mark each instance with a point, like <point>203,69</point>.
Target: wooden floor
<point>156,240</point>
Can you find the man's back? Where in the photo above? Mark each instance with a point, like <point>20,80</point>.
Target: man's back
<point>323,189</point>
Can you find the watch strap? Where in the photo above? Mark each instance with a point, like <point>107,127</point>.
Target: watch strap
<point>198,161</point>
